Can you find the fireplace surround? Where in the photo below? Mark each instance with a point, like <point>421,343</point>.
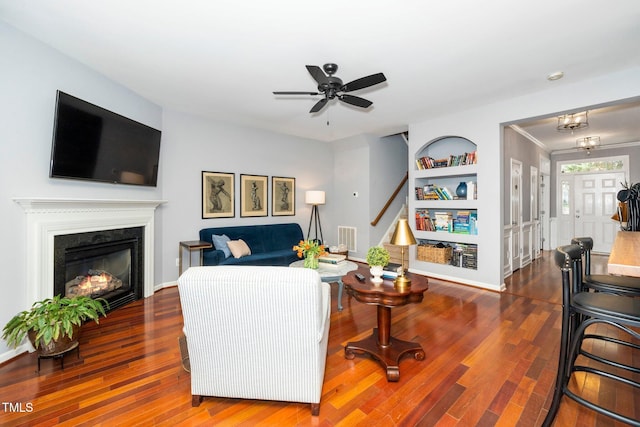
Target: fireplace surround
<point>47,218</point>
<point>100,264</point>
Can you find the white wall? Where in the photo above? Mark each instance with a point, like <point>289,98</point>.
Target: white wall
<point>351,175</point>
<point>373,168</point>
<point>387,167</point>
<point>191,145</point>
<point>30,74</point>
<point>482,125</point>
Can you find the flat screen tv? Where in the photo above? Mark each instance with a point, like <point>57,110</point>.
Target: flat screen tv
<point>95,144</point>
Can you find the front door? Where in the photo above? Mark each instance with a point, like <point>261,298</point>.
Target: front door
<point>595,203</point>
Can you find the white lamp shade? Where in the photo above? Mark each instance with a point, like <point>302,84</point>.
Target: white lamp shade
<point>314,197</point>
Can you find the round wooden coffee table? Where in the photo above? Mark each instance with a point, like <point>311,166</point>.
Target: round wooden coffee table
<point>380,344</point>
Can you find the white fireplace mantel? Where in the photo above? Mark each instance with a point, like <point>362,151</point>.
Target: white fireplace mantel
<point>50,217</point>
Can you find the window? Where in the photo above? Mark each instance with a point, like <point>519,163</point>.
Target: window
<point>565,197</point>
<point>593,166</point>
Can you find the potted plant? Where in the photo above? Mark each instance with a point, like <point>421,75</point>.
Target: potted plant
<point>310,250</point>
<point>52,325</point>
<point>377,258</point>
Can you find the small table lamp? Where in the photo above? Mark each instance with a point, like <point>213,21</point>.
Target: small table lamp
<point>315,198</point>
<point>402,236</point>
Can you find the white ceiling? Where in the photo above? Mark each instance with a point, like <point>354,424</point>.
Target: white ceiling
<point>223,59</point>
<point>617,124</point>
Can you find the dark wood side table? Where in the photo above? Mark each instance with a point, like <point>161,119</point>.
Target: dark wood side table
<point>190,246</point>
<point>380,344</point>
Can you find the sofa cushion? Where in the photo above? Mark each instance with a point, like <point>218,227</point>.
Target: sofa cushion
<point>238,248</point>
<point>220,242</point>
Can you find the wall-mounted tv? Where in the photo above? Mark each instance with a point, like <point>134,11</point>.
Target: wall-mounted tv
<point>92,143</point>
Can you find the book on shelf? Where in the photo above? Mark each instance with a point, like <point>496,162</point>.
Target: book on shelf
<point>423,220</point>
<point>427,162</point>
<point>473,223</point>
<point>440,193</point>
<point>471,190</point>
<point>443,221</point>
<point>332,259</point>
<point>461,223</point>
<point>447,193</point>
<point>432,192</point>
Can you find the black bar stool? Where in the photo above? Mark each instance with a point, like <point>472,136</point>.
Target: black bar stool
<point>621,285</point>
<point>579,311</point>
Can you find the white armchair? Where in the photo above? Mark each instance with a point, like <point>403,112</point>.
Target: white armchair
<point>256,332</point>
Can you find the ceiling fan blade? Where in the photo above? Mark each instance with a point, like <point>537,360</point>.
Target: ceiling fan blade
<point>317,74</point>
<point>355,100</point>
<point>296,93</point>
<point>363,82</point>
<point>319,105</point>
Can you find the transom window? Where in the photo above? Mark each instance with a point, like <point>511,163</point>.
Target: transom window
<point>593,166</point>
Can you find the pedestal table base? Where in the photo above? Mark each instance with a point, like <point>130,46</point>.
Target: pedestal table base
<point>389,356</point>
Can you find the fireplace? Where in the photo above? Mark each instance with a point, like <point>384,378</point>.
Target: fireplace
<point>47,218</point>
<point>100,264</point>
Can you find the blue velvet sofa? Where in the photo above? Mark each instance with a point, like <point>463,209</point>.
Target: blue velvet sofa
<point>270,244</point>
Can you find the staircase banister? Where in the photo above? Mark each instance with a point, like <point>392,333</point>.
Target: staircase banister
<point>390,200</point>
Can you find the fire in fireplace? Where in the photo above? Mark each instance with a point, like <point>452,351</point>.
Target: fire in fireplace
<point>101,264</point>
<point>95,284</point>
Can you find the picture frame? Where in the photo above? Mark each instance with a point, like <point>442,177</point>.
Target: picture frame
<point>218,195</point>
<point>283,196</point>
<point>253,195</point>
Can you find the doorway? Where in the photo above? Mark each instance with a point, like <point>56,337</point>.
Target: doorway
<point>587,199</point>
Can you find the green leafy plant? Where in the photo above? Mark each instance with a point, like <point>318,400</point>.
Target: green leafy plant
<point>377,256</point>
<point>53,318</point>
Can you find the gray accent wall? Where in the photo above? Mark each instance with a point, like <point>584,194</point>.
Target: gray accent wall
<point>529,154</point>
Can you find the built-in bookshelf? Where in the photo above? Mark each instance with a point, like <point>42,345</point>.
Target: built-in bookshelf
<point>445,205</point>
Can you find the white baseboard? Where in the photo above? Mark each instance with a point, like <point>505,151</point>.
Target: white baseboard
<point>10,354</point>
<point>161,286</point>
<point>501,288</point>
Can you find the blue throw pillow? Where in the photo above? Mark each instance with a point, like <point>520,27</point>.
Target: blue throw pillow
<point>220,242</point>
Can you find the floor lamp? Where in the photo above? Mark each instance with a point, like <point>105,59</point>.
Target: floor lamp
<point>314,198</point>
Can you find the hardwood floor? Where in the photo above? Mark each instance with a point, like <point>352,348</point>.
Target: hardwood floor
<point>490,360</point>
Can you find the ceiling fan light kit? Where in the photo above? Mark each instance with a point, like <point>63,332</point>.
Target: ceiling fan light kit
<point>332,87</point>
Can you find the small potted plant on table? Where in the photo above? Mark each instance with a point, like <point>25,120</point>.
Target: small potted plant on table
<point>377,258</point>
<point>52,325</point>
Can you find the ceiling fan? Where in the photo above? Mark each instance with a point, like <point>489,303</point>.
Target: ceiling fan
<point>332,87</point>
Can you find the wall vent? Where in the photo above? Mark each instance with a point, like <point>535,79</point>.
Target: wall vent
<point>347,237</point>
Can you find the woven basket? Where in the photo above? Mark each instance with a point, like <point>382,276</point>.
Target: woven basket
<point>431,253</point>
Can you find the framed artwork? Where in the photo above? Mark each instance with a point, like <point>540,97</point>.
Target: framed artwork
<point>283,196</point>
<point>218,195</point>
<point>253,195</point>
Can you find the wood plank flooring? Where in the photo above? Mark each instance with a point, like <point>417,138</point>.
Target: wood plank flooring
<point>490,361</point>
